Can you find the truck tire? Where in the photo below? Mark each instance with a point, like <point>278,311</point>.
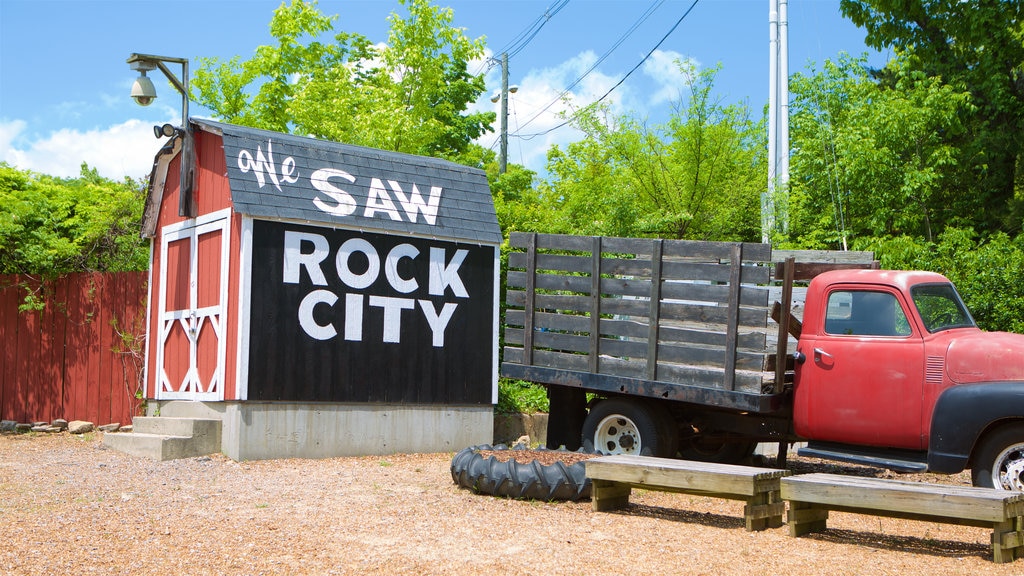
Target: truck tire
<point>716,451</point>
<point>621,426</point>
<point>999,461</point>
<point>524,480</point>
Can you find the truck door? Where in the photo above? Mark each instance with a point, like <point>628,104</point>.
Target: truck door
<point>862,380</point>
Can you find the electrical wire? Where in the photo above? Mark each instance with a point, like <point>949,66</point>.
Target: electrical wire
<point>617,84</point>
<point>521,40</point>
<point>517,44</point>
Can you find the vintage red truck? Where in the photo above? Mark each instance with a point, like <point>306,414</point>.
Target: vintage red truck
<point>665,348</point>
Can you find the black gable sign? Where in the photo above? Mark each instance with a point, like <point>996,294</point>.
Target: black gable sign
<point>283,177</point>
<point>347,316</point>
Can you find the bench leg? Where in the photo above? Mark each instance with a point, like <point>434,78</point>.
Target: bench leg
<point>804,518</point>
<point>764,510</point>
<point>607,495</point>
<point>1008,540</point>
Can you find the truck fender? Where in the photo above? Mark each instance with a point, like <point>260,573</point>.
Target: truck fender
<point>962,414</point>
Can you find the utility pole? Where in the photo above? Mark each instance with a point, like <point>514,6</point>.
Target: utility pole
<point>503,162</point>
<point>503,96</point>
<point>778,120</point>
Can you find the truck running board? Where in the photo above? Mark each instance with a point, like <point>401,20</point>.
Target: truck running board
<point>906,462</point>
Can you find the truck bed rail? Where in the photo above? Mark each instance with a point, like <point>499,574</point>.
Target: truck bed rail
<point>664,314</point>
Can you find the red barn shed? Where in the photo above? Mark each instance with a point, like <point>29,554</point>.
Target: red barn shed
<point>325,299</point>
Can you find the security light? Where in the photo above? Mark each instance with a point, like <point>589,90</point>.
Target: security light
<point>165,130</point>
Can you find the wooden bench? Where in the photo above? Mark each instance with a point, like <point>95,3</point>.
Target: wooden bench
<point>613,477</point>
<point>811,496</point>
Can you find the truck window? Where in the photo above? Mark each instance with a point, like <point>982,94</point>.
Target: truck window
<point>940,307</point>
<point>865,313</point>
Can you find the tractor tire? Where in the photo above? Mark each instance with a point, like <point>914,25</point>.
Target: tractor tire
<point>521,480</point>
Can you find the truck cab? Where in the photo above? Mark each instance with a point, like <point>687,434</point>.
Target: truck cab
<point>892,370</point>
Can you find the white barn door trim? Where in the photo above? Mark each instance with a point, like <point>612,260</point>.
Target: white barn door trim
<point>199,325</point>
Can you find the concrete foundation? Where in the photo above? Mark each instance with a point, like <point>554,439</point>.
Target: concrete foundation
<point>267,430</point>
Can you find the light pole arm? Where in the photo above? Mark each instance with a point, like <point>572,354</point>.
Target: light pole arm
<point>143,62</point>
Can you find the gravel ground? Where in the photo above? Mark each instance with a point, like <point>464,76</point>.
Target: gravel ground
<point>70,506</point>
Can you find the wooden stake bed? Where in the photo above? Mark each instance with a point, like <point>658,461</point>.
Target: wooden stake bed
<point>613,478</point>
<point>811,496</point>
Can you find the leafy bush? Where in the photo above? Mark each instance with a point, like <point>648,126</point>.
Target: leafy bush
<point>520,397</point>
<point>51,226</point>
<point>987,272</point>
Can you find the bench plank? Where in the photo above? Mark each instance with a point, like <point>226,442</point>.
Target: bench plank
<point>613,477</point>
<point>941,500</point>
<point>812,496</point>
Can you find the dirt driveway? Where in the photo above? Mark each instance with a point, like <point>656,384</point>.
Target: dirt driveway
<point>70,506</point>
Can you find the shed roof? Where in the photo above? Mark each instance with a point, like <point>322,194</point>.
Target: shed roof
<point>276,176</point>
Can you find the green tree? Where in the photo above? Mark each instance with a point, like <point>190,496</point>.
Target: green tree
<point>986,272</point>
<point>411,95</point>
<point>979,45</point>
<point>50,225</point>
<point>870,159</point>
<point>698,176</point>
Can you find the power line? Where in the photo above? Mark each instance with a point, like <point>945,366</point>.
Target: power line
<point>617,84</point>
<point>521,40</point>
<point>526,36</point>
<point>643,18</point>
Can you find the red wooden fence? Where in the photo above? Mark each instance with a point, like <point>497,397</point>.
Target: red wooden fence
<point>81,356</point>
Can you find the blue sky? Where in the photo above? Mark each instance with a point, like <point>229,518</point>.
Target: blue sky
<point>64,83</point>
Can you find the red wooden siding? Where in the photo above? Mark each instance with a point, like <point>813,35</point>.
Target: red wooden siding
<point>212,193</point>
<point>66,360</point>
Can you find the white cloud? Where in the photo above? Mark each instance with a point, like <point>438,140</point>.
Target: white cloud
<point>117,151</point>
<point>535,111</point>
<point>663,68</point>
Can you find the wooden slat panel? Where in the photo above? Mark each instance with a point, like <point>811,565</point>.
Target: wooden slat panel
<point>100,412</point>
<point>782,337</point>
<point>654,314</point>
<point>709,378</point>
<point>732,327</point>
<point>746,341</point>
<point>713,293</point>
<point>9,298</point>
<point>70,369</point>
<point>711,357</point>
<point>549,301</point>
<point>566,342</point>
<point>550,241</point>
<point>595,304</point>
<point>698,303</point>
<point>529,299</point>
<point>552,262</point>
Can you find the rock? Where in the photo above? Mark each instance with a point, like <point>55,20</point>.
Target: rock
<point>523,440</point>
<point>46,428</point>
<point>8,425</point>
<point>79,427</point>
<point>59,423</point>
<point>112,427</point>
<point>22,428</point>
<point>126,428</point>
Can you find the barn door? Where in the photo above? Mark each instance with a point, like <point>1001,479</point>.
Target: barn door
<point>193,306</point>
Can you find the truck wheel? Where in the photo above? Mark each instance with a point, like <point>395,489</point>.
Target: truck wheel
<point>999,462</point>
<point>717,451</point>
<point>618,426</point>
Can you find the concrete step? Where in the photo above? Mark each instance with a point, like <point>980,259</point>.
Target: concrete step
<point>163,438</point>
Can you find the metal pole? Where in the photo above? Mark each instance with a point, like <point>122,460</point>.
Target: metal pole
<point>782,148</point>
<point>186,199</point>
<point>503,161</point>
<point>768,197</point>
